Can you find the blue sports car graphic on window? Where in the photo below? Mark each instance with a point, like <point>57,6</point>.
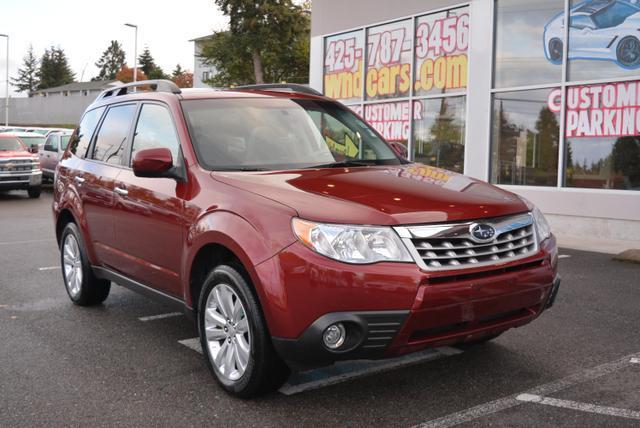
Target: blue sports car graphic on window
<point>598,29</point>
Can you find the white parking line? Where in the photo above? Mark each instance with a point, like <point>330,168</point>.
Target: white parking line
<point>33,241</point>
<point>545,389</point>
<point>635,361</point>
<point>564,256</point>
<point>49,268</point>
<point>160,316</point>
<point>582,407</point>
<point>193,344</point>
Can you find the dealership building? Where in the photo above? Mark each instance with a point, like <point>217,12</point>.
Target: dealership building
<point>492,89</point>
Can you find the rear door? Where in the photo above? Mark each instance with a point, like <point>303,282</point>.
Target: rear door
<point>99,171</point>
<point>149,221</point>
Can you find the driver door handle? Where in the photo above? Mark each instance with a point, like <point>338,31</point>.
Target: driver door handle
<point>120,191</point>
<point>79,179</point>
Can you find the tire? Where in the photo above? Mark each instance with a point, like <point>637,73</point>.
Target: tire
<point>555,50</point>
<point>243,337</point>
<point>628,52</point>
<point>82,286</point>
<point>34,192</point>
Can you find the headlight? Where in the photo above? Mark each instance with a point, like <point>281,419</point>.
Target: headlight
<point>544,231</point>
<point>352,244</point>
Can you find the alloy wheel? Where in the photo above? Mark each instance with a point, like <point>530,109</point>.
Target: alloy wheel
<point>629,52</point>
<point>227,332</point>
<point>72,265</point>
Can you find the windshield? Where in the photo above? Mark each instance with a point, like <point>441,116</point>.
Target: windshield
<point>36,139</point>
<point>64,142</point>
<point>281,133</point>
<point>11,144</point>
<point>613,15</point>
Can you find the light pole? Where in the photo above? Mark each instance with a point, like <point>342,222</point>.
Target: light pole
<point>6,97</point>
<point>135,52</point>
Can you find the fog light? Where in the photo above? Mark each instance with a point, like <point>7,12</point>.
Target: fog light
<point>333,337</point>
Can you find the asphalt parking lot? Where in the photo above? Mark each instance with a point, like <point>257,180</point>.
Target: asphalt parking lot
<point>130,361</point>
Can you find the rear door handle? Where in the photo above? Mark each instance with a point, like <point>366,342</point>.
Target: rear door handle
<point>120,191</point>
<point>79,179</point>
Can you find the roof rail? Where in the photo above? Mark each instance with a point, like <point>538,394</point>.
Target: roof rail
<point>280,87</point>
<point>156,86</point>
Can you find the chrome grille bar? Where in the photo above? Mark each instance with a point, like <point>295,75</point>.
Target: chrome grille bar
<point>451,246</point>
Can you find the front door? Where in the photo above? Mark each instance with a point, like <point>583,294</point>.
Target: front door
<point>149,220</point>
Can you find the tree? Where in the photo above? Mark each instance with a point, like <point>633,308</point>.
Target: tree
<point>266,41</point>
<point>111,61</point>
<point>149,66</point>
<point>27,80</point>
<point>182,78</point>
<point>54,69</point>
<point>125,75</point>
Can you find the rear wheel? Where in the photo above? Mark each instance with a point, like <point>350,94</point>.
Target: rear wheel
<point>555,50</point>
<point>628,52</point>
<point>34,192</point>
<point>83,288</point>
<point>234,336</point>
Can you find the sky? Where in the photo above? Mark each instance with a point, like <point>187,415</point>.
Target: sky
<point>85,28</point>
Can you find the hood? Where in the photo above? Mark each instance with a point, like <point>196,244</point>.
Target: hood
<point>383,195</point>
<point>15,154</point>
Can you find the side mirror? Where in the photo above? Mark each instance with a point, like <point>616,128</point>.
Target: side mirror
<point>400,149</point>
<point>34,148</point>
<point>154,163</point>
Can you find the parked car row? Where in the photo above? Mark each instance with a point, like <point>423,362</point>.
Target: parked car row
<point>19,163</point>
<point>42,131</point>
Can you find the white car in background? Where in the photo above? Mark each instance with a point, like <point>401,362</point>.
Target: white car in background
<point>599,29</point>
<point>30,139</point>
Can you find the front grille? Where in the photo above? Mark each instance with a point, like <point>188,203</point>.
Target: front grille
<point>18,165</point>
<point>451,246</point>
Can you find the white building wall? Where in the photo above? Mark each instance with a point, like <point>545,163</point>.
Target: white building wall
<point>199,69</point>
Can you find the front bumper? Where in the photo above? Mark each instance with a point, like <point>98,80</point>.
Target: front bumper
<point>20,179</point>
<point>393,309</point>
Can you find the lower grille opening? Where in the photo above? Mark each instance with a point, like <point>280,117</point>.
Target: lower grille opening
<point>483,274</point>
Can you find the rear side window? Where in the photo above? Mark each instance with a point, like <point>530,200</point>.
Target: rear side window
<point>82,137</point>
<point>112,136</point>
<point>155,130</point>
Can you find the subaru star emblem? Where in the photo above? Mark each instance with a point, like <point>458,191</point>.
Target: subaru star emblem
<point>482,232</point>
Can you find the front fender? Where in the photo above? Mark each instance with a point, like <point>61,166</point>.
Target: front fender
<point>69,200</point>
<point>239,236</point>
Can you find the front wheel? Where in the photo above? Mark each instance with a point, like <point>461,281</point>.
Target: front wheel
<point>83,288</point>
<point>234,336</point>
<point>628,52</point>
<point>555,50</point>
<point>34,192</point>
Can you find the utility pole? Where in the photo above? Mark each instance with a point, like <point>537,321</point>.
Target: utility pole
<point>6,97</point>
<point>135,52</point>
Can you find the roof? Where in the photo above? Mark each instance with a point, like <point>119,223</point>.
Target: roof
<point>199,39</point>
<point>95,85</point>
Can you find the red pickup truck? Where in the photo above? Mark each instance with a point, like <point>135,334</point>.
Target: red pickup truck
<point>290,230</point>
<point>19,165</point>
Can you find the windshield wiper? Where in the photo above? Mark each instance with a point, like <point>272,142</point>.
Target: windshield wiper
<point>343,164</point>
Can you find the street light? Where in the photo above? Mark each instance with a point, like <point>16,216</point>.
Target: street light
<point>135,52</point>
<point>6,97</point>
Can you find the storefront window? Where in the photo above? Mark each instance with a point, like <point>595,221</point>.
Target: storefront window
<point>528,42</point>
<point>343,63</point>
<point>389,50</point>
<point>603,136</point>
<point>438,132</point>
<point>391,120</point>
<point>604,41</point>
<point>526,134</point>
<point>442,40</point>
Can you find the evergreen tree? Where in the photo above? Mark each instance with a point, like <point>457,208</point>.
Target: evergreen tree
<point>27,80</point>
<point>177,71</point>
<point>54,69</point>
<point>111,61</point>
<point>148,65</point>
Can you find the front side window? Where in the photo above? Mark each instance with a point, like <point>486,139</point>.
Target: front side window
<point>81,138</point>
<point>155,130</point>
<point>281,133</point>
<point>51,145</point>
<point>112,136</point>
<point>64,142</point>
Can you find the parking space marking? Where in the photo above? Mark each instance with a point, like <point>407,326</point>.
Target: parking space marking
<point>193,344</point>
<point>635,361</point>
<point>49,268</point>
<point>510,401</point>
<point>32,241</point>
<point>160,316</point>
<point>564,256</point>
<point>582,407</point>
<point>348,370</point>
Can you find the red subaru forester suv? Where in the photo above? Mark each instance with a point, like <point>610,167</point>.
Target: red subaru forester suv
<point>291,231</point>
